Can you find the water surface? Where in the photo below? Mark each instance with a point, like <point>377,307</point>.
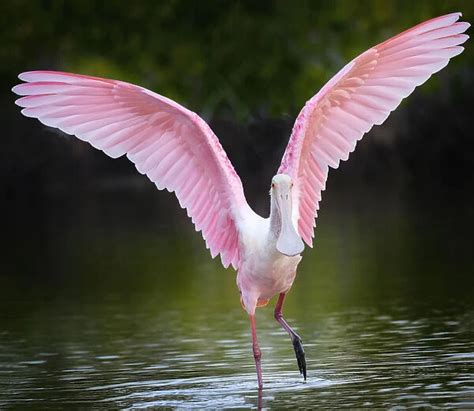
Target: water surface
<point>113,306</point>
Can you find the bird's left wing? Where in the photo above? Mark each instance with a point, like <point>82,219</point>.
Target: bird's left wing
<point>173,146</point>
<point>360,95</point>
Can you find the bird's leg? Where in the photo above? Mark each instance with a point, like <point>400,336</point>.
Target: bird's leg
<point>295,338</point>
<point>257,354</point>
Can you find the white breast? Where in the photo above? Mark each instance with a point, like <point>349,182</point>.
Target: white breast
<point>264,271</point>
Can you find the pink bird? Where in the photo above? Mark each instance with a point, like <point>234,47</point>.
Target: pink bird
<point>178,151</point>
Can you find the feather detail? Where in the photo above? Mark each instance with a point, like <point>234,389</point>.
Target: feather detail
<point>361,95</point>
<point>173,146</point>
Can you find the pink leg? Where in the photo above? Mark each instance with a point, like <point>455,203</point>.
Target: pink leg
<point>295,338</point>
<point>257,354</point>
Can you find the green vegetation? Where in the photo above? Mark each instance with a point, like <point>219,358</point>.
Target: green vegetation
<point>242,57</point>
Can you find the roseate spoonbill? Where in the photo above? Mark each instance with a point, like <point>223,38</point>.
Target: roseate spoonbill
<point>178,151</point>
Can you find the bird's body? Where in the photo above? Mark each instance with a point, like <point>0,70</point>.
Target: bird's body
<point>264,272</point>
<point>270,249</point>
<point>178,151</point>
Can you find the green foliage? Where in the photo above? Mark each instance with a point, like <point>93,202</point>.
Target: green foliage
<point>239,57</point>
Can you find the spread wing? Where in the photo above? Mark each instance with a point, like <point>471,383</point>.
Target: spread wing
<point>360,95</point>
<point>173,146</point>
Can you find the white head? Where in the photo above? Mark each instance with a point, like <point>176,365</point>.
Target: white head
<point>289,242</point>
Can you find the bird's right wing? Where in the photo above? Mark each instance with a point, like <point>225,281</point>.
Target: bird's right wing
<point>173,146</point>
<point>360,95</point>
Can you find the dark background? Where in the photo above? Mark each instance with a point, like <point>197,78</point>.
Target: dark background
<point>247,67</point>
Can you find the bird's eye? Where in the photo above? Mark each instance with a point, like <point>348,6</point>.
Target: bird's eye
<point>273,185</point>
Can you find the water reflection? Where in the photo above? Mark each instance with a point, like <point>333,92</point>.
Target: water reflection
<point>119,318</point>
<point>359,357</point>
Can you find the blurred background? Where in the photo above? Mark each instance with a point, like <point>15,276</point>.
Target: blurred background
<point>95,260</point>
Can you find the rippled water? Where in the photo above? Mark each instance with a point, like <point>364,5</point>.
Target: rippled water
<point>98,315</point>
<point>359,357</point>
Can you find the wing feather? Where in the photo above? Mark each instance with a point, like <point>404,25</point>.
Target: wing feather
<point>362,94</point>
<point>173,146</point>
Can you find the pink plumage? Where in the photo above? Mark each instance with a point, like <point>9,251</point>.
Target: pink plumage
<point>359,96</point>
<point>178,151</point>
<point>173,146</point>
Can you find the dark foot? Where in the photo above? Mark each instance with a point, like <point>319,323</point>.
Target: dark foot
<point>299,351</point>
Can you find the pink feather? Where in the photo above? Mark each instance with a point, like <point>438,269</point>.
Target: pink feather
<point>360,95</point>
<point>167,142</point>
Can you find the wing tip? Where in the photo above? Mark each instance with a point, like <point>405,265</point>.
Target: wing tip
<point>456,15</point>
<point>17,89</point>
<point>32,75</point>
<point>19,102</point>
<point>457,50</point>
<point>464,24</point>
<point>25,75</point>
<point>26,113</point>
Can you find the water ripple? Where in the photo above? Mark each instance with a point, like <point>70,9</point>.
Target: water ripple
<point>355,359</point>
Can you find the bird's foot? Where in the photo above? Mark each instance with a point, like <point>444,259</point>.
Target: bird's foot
<point>299,351</point>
